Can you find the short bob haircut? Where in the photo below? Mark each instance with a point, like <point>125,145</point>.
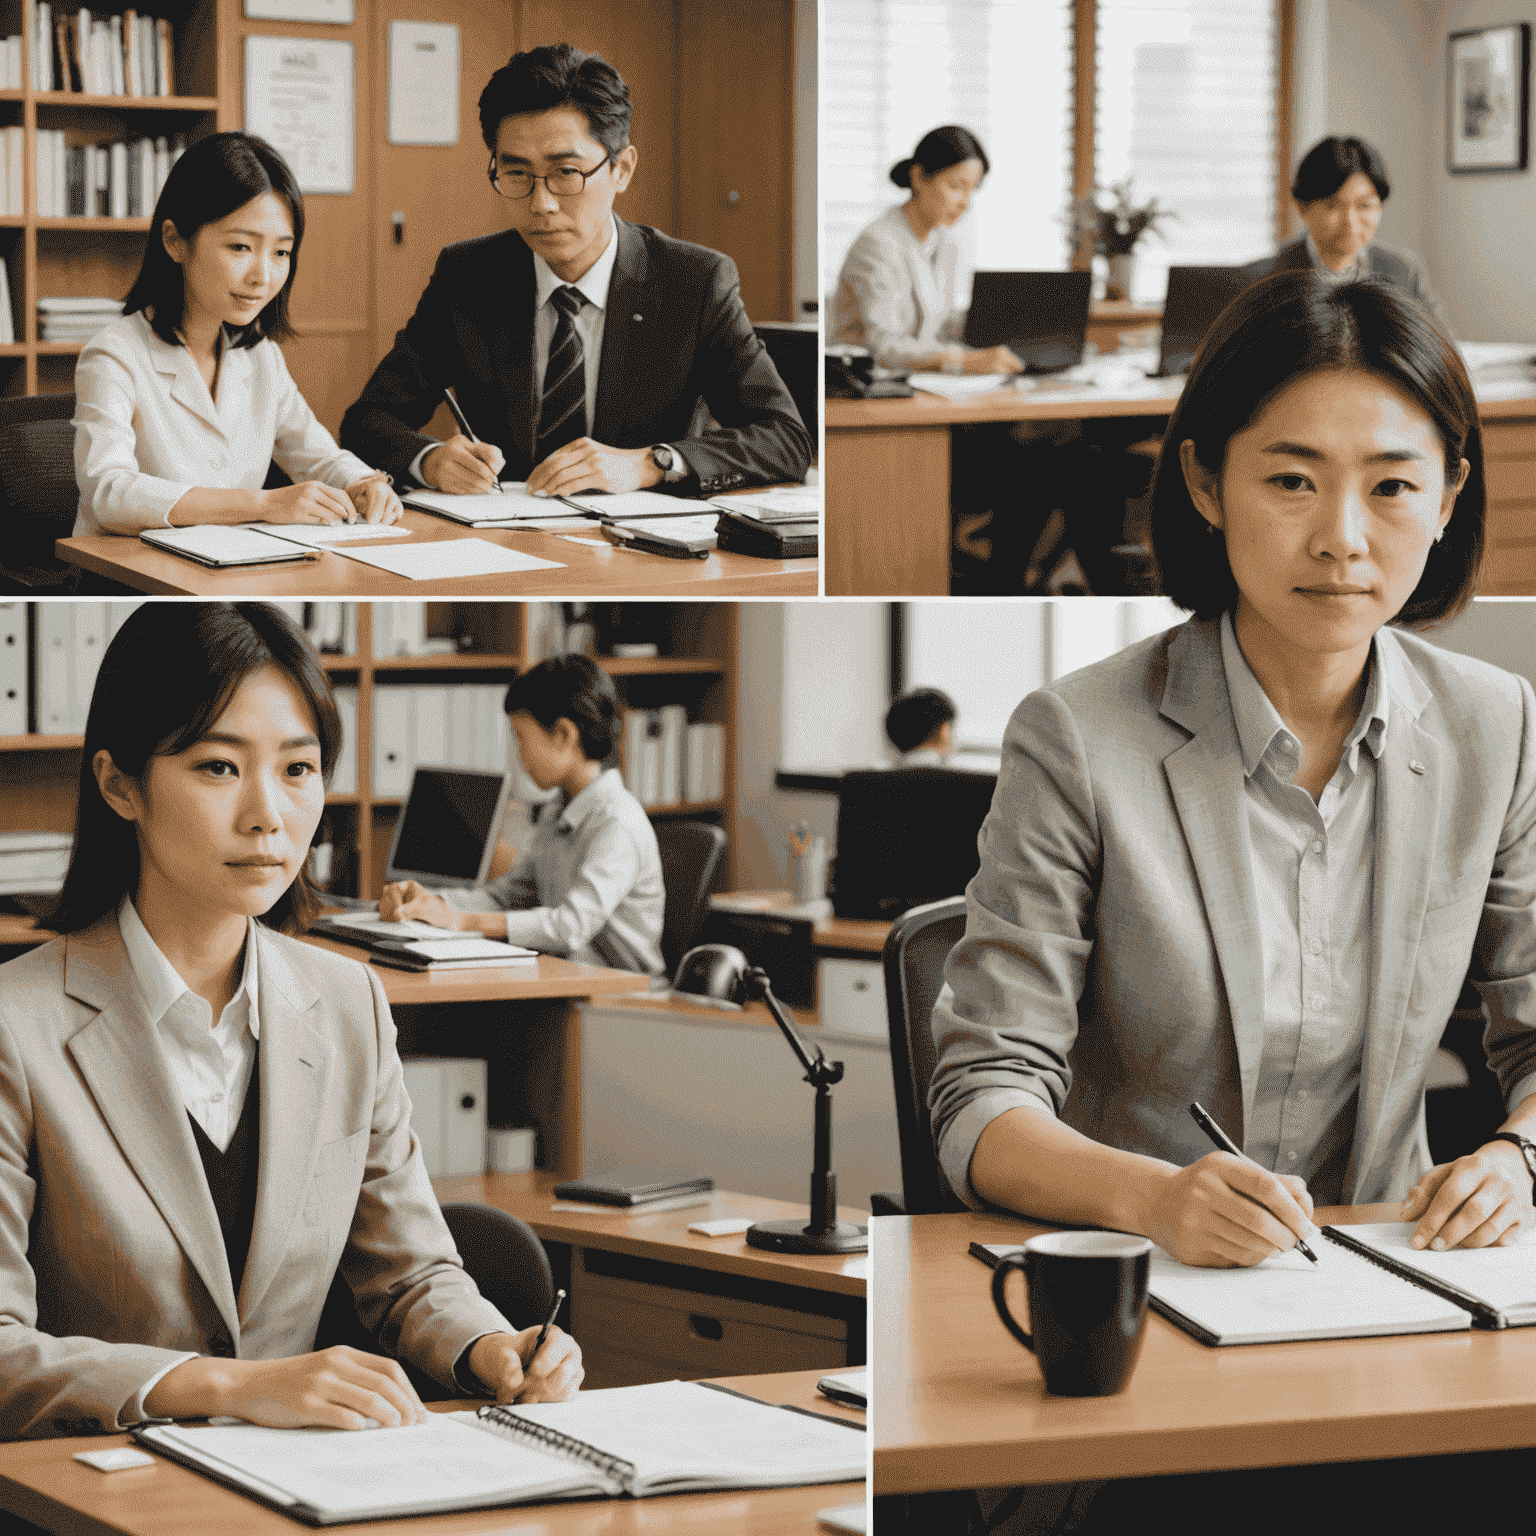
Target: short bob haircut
<point>558,75</point>
<point>1331,162</point>
<point>1278,331</point>
<point>166,678</point>
<point>937,150</point>
<point>915,716</point>
<point>209,182</point>
<point>570,688</point>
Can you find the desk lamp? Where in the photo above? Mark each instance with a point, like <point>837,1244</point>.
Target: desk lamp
<point>720,971</point>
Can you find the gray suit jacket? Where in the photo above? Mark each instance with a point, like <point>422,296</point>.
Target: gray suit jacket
<point>1383,263</point>
<point>111,1256</point>
<point>1112,965</point>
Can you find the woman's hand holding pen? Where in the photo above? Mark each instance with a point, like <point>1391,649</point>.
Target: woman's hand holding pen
<point>463,467</point>
<point>1226,1212</point>
<point>1482,1200</point>
<point>515,1372</point>
<point>310,501</point>
<point>373,499</point>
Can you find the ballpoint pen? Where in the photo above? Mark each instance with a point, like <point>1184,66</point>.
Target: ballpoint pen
<point>466,429</point>
<point>1225,1142</point>
<point>549,1322</point>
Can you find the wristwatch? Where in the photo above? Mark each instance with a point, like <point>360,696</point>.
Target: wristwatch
<point>663,458</point>
<point>1527,1150</point>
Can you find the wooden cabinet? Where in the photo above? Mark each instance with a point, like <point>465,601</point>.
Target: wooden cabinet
<point>1509,467</point>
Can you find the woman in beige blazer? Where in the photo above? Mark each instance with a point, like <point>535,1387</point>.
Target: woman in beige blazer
<point>1248,862</point>
<point>183,404</point>
<point>201,1117</point>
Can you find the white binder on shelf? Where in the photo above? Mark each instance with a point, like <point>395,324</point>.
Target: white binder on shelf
<point>493,728</point>
<point>90,641</point>
<point>54,707</point>
<point>393,726</point>
<point>344,779</point>
<point>460,726</point>
<point>674,727</point>
<point>430,705</point>
<point>13,669</point>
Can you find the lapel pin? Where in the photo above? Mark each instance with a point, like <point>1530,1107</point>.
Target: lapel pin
<point>637,317</point>
<point>1416,767</point>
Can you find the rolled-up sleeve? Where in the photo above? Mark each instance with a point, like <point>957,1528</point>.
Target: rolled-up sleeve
<point>1007,1016</point>
<point>609,871</point>
<point>114,492</point>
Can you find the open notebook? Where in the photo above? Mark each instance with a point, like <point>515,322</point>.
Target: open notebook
<point>670,1437</point>
<point>1367,1281</point>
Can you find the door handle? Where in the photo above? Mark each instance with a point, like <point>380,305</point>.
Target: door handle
<point>397,218</point>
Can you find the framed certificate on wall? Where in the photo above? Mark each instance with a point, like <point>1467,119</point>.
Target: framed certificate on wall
<point>1488,97</point>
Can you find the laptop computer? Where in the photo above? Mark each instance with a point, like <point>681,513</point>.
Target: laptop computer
<point>1041,316</point>
<point>1196,296</point>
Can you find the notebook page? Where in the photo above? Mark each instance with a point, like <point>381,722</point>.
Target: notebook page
<point>1284,1297</point>
<point>343,1472</point>
<point>628,504</point>
<point>1503,1277</point>
<point>230,543</point>
<point>679,1434</point>
<point>316,534</point>
<point>512,500</point>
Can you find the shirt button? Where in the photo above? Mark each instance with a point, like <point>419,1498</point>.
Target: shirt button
<point>1317,1005</point>
<point>1316,946</point>
<point>1301,1095</point>
<point>1290,1157</point>
<point>218,1098</point>
<point>1317,847</point>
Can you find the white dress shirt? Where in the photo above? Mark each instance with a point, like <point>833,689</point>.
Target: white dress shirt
<point>147,430</point>
<point>209,1063</point>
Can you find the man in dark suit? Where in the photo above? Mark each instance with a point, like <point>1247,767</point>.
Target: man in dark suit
<point>579,346</point>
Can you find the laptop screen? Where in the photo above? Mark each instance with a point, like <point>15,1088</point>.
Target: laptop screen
<point>1042,316</point>
<point>448,829</point>
<point>1196,296</point>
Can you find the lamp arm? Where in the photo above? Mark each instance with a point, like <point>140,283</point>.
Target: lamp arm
<point>758,987</point>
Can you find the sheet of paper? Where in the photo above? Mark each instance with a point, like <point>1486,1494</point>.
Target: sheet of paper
<point>511,501</point>
<point>423,82</point>
<point>440,948</point>
<point>1503,1277</point>
<point>697,527</point>
<point>958,386</point>
<point>787,501</point>
<point>317,534</point>
<point>546,524</point>
<point>298,96</point>
<point>376,927</point>
<point>617,505</point>
<point>446,559</point>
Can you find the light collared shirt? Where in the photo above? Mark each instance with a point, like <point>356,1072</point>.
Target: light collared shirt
<point>593,285</point>
<point>1312,868</point>
<point>209,1063</point>
<point>923,757</point>
<point>1324,271</point>
<point>589,885</point>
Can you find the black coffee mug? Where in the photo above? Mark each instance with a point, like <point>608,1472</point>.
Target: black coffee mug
<point>1087,1307</point>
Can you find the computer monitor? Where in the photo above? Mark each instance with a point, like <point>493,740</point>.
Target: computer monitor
<point>447,830</point>
<point>1196,296</point>
<point>1041,316</point>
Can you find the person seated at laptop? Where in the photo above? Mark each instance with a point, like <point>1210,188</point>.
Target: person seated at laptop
<point>202,1116</point>
<point>578,345</point>
<point>896,292</point>
<point>589,886</point>
<point>184,402</point>
<point>1339,189</point>
<point>921,726</point>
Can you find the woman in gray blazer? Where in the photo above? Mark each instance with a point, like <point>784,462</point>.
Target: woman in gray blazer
<point>201,1117</point>
<point>1249,862</point>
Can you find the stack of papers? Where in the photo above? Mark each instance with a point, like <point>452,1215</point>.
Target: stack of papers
<point>449,952</point>
<point>71,319</point>
<point>1500,370</point>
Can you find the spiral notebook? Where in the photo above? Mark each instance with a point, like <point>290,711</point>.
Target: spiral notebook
<point>623,1442</point>
<point>1367,1281</point>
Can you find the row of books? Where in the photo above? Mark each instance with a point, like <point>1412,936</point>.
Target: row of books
<point>7,320</point>
<point>74,319</point>
<point>32,863</point>
<point>667,761</point>
<point>78,51</point>
<point>48,671</point>
<point>108,181</point>
<point>10,64</point>
<point>457,725</point>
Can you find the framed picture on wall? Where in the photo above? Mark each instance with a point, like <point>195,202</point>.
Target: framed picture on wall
<point>1488,98</point>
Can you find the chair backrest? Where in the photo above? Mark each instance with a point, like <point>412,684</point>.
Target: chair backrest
<point>39,496</point>
<point>915,951</point>
<point>795,349</point>
<point>690,853</point>
<point>906,836</point>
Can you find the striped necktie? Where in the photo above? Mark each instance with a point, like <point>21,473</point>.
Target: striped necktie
<point>563,404</point>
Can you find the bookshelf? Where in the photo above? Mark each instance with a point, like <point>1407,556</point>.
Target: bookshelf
<point>92,256</point>
<point>698,667</point>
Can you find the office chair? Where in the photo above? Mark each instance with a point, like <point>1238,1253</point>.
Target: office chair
<point>501,1254</point>
<point>690,854</point>
<point>796,352</point>
<point>906,836</point>
<point>38,493</point>
<point>915,951</point>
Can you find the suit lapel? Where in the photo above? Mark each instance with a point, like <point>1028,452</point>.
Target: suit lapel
<point>633,316</point>
<point>120,1060</point>
<point>295,1067</point>
<point>1407,810</point>
<point>1205,777</point>
<point>185,385</point>
<point>509,332</point>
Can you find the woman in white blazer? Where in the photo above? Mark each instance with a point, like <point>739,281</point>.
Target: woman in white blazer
<point>183,403</point>
<point>202,1117</point>
<point>896,292</point>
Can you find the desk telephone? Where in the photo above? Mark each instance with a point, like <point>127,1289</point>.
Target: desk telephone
<point>852,374</point>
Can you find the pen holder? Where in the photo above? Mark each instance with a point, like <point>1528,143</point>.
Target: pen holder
<point>1087,1308</point>
<point>810,870</point>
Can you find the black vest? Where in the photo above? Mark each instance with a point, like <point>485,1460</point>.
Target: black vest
<point>231,1176</point>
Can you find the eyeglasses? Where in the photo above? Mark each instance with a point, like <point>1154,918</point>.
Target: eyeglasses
<point>563,181</point>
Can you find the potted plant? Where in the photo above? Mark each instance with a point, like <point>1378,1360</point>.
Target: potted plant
<point>1108,218</point>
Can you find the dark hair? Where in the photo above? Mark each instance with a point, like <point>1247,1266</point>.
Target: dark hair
<point>209,182</point>
<point>570,688</point>
<point>937,150</point>
<point>165,679</point>
<point>558,75</point>
<point>915,716</point>
<point>1331,162</point>
<point>1279,330</point>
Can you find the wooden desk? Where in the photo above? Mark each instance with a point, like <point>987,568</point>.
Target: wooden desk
<point>888,484</point>
<point>831,935</point>
<point>594,570</point>
<point>960,1405</point>
<point>706,1306</point>
<point>41,1482</point>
